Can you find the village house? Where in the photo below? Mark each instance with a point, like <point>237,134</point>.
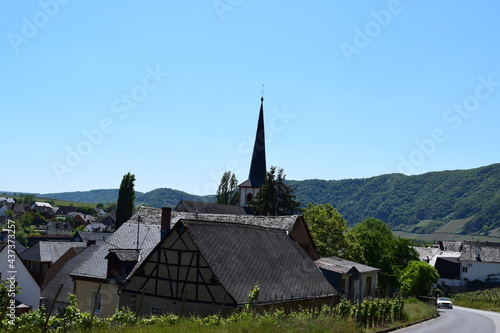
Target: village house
<point>353,280</point>
<point>57,280</point>
<point>42,255</point>
<point>91,282</point>
<point>461,262</point>
<point>57,227</point>
<point>29,296</point>
<point>480,261</point>
<point>141,234</point>
<point>6,200</point>
<point>206,267</point>
<point>43,208</point>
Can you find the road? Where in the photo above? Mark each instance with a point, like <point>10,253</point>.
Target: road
<point>459,320</point>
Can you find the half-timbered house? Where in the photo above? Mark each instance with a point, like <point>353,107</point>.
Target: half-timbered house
<point>205,267</point>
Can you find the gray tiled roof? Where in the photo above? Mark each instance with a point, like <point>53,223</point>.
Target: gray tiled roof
<point>125,254</point>
<point>150,215</point>
<point>480,251</point>
<point>342,265</point>
<point>86,236</point>
<point>150,221</point>
<point>62,276</point>
<point>241,255</point>
<point>48,251</point>
<point>273,222</point>
<point>208,208</point>
<point>124,238</point>
<point>427,253</point>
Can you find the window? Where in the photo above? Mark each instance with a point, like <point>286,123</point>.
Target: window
<point>96,300</point>
<point>342,284</point>
<point>156,311</point>
<point>368,286</point>
<point>249,197</point>
<point>465,269</point>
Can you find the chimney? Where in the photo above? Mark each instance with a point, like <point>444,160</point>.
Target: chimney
<point>166,214</point>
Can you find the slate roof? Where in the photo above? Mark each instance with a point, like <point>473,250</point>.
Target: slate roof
<point>50,290</point>
<point>48,251</point>
<point>125,254</point>
<point>209,208</point>
<point>150,215</point>
<point>242,255</point>
<point>273,222</point>
<point>342,265</point>
<point>85,236</point>
<point>451,246</point>
<point>95,267</point>
<point>4,236</point>
<point>65,210</point>
<point>427,253</point>
<point>480,251</point>
<point>125,237</point>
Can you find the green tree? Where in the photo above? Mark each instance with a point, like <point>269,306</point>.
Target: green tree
<point>328,229</point>
<point>383,250</point>
<point>126,197</point>
<point>227,193</point>
<point>417,279</point>
<point>275,198</point>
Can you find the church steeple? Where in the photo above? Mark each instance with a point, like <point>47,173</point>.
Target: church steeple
<point>257,174</point>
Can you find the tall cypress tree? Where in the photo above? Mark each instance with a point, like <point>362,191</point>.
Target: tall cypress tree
<point>227,193</point>
<point>126,197</point>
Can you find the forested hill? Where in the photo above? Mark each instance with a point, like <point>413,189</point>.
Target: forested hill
<point>161,197</point>
<point>403,202</point>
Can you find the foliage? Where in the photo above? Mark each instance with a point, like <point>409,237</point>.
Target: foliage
<point>402,201</point>
<point>418,278</point>
<point>383,250</point>
<point>253,296</point>
<point>126,197</point>
<point>488,299</point>
<point>85,210</point>
<point>26,199</point>
<point>328,229</point>
<point>345,317</point>
<point>275,198</point>
<point>227,193</point>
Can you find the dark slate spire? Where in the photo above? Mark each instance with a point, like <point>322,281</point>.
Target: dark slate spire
<point>257,174</point>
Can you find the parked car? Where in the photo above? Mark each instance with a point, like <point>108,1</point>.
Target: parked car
<point>443,302</point>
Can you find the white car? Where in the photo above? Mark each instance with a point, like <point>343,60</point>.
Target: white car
<point>443,302</point>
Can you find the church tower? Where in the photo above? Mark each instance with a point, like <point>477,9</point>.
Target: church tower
<point>257,176</point>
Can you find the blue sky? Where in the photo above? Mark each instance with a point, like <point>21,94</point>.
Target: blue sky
<point>169,90</point>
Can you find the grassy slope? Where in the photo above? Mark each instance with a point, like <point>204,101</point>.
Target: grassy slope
<point>301,322</point>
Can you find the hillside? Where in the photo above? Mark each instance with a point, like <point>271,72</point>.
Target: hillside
<point>460,201</point>
<point>157,198</point>
<point>404,201</point>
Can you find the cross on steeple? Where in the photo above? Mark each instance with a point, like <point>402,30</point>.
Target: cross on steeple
<point>262,93</point>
